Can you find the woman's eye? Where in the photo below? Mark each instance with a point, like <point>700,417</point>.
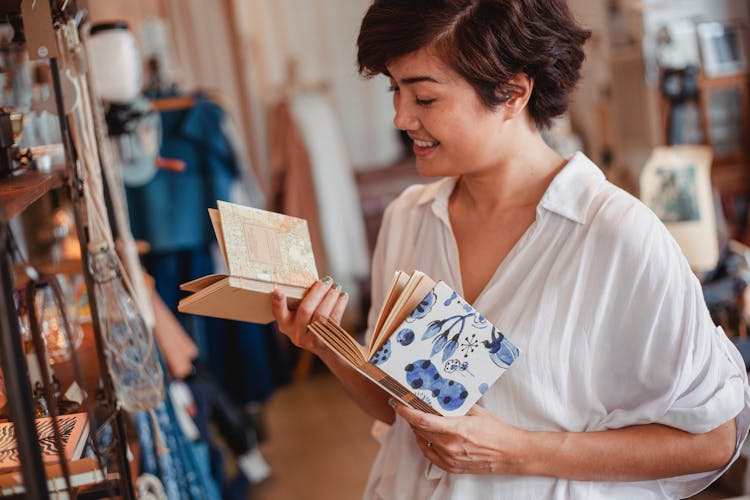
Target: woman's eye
<point>425,102</point>
<point>392,88</point>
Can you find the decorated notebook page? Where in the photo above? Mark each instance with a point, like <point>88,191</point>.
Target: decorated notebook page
<point>404,296</point>
<point>267,246</point>
<point>446,352</point>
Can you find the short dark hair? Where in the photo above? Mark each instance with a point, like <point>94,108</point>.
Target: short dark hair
<point>487,42</point>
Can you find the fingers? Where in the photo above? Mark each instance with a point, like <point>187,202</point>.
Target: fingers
<point>330,299</point>
<point>311,301</point>
<point>279,308</point>
<point>420,420</point>
<point>339,307</point>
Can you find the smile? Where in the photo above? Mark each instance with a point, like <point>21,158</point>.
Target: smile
<point>425,144</point>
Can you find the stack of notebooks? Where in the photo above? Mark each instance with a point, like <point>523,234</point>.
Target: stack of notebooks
<point>74,433</point>
<point>430,348</point>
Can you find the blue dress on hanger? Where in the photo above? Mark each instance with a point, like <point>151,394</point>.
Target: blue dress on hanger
<point>170,213</point>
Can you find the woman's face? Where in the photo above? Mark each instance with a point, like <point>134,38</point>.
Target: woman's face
<point>452,131</point>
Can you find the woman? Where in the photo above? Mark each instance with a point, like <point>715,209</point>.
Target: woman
<point>625,388</point>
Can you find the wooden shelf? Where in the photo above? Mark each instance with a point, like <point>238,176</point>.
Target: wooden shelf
<point>86,478</point>
<point>18,192</point>
<point>66,266</point>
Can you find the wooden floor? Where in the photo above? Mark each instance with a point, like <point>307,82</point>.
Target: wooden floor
<point>319,444</point>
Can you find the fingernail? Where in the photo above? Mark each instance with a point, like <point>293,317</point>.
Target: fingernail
<point>327,280</point>
<point>337,287</point>
<point>276,296</point>
<point>392,403</point>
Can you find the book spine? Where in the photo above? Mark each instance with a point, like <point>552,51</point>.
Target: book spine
<point>392,386</point>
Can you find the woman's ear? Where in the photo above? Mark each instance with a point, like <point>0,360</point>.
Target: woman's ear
<point>517,94</point>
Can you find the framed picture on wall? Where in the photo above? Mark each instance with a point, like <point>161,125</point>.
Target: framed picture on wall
<point>676,184</point>
<point>722,47</point>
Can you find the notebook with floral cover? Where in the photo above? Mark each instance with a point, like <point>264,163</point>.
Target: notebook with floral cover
<point>440,355</point>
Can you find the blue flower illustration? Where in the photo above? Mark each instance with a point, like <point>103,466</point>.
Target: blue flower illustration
<point>441,337</point>
<point>423,308</point>
<point>405,336</point>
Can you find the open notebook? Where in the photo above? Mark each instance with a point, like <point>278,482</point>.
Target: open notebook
<point>430,348</point>
<point>263,250</point>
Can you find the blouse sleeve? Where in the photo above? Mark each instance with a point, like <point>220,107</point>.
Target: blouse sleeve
<point>664,359</point>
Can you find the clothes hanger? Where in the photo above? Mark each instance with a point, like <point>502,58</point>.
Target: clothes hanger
<point>173,103</point>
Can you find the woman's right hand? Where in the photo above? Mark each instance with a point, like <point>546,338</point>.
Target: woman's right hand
<point>323,299</point>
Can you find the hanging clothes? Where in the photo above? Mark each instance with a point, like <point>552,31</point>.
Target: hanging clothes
<point>308,149</point>
<point>291,178</point>
<point>245,358</point>
<point>181,466</point>
<point>171,214</point>
<point>170,211</point>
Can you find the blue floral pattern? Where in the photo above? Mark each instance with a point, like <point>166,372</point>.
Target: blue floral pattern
<point>446,352</point>
<point>423,308</point>
<point>405,336</point>
<point>383,354</point>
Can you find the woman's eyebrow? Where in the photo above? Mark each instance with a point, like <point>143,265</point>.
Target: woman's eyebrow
<point>417,79</point>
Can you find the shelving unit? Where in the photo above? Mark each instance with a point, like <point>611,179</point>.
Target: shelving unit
<point>730,173</point>
<point>16,195</point>
<point>19,192</point>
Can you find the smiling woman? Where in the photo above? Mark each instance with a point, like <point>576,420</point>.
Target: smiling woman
<point>626,389</point>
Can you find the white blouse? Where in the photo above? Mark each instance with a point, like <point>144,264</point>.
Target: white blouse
<point>611,323</point>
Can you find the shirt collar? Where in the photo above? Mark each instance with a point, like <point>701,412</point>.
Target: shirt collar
<point>573,189</point>
<point>569,194</point>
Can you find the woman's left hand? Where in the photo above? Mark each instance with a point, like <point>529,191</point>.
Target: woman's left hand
<point>477,443</point>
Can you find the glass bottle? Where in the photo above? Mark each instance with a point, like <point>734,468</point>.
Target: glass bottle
<point>130,350</point>
<point>52,325</point>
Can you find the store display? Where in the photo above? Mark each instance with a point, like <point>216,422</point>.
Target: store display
<point>52,323</point>
<point>115,62</point>
<point>429,348</point>
<point>85,471</point>
<point>74,429</point>
<point>12,159</point>
<point>135,129</point>
<point>67,158</point>
<point>263,250</point>
<point>131,354</point>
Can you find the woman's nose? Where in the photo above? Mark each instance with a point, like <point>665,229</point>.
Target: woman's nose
<point>405,118</point>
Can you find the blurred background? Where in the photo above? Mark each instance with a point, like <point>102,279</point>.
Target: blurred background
<point>259,102</point>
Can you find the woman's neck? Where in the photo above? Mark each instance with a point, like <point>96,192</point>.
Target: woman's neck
<point>518,181</point>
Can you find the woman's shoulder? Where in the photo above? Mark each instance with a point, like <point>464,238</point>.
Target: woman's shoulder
<point>629,225</point>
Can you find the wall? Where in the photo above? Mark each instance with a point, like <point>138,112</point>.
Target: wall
<point>243,48</point>
<point>319,38</point>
